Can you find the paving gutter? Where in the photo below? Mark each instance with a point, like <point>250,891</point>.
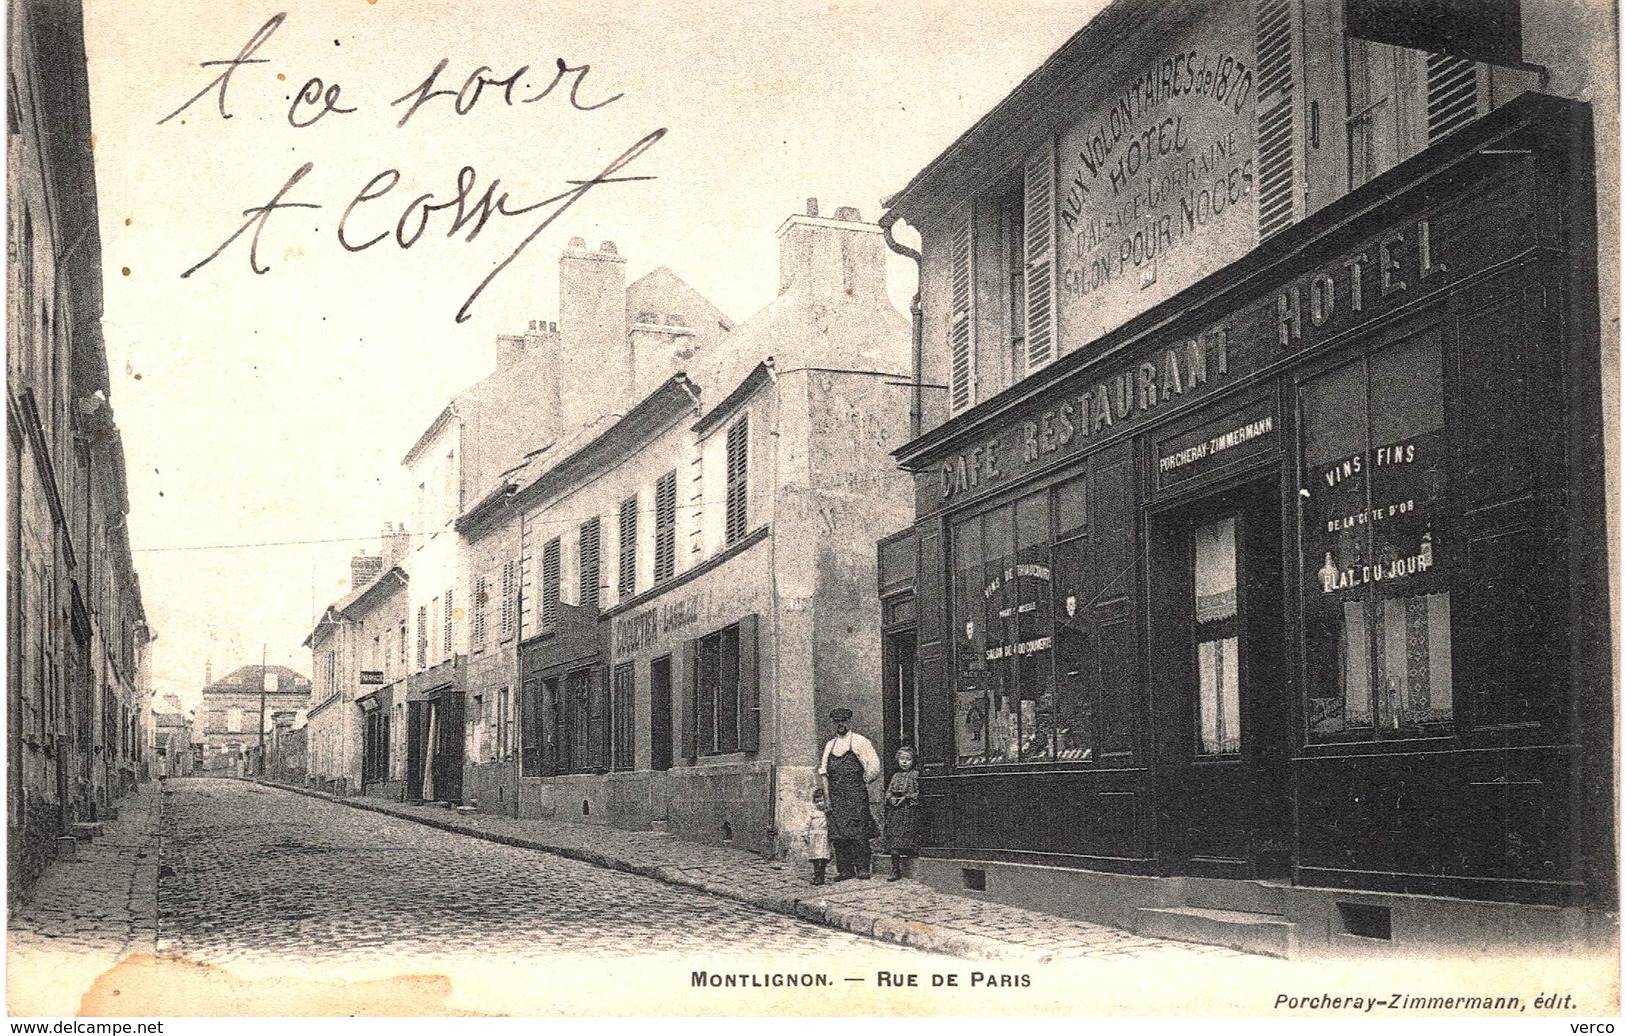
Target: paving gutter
<point>844,916</point>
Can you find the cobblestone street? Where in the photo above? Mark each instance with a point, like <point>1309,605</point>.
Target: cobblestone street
<point>263,872</point>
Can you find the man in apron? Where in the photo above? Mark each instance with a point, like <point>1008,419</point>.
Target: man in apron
<point>848,766</point>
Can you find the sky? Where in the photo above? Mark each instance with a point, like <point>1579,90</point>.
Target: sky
<point>265,414</point>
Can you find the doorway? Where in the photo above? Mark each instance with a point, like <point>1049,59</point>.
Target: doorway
<point>1222,722</point>
<point>899,695</point>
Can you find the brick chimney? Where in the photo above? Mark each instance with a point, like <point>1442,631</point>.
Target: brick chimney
<point>364,568</point>
<point>595,361</point>
<point>831,259</point>
<point>396,543</point>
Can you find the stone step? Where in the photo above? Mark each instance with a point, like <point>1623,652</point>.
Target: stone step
<point>1256,897</point>
<point>1271,935</point>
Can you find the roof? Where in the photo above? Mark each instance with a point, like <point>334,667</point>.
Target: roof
<point>429,434</point>
<point>1028,111</point>
<point>554,466</point>
<point>759,376</point>
<point>249,677</point>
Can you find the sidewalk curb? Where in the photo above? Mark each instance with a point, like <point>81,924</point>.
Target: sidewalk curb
<point>857,920</point>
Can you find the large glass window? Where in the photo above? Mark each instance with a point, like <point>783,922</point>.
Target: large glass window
<point>1376,599</point>
<point>1006,701</point>
<point>717,692</point>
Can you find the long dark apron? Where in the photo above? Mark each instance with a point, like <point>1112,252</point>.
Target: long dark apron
<point>849,815</point>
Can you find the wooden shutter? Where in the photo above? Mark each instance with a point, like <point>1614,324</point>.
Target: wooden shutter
<point>508,600</point>
<point>590,579</point>
<point>626,579</point>
<point>691,694</point>
<point>1039,232</point>
<point>666,527</point>
<point>1452,95</point>
<point>1277,178</point>
<point>738,471</point>
<point>482,593</point>
<point>961,319</point>
<point>550,584</point>
<point>750,696</point>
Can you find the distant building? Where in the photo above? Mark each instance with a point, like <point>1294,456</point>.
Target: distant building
<point>548,380</point>
<point>349,657</point>
<point>695,564</point>
<point>172,737</point>
<point>238,707</point>
<point>76,633</point>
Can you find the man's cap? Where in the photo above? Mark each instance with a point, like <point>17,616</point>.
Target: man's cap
<point>840,715</point>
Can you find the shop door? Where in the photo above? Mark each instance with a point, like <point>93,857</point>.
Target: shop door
<point>416,731</point>
<point>448,754</point>
<point>1222,717</point>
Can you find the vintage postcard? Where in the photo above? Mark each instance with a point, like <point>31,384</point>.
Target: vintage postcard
<point>520,507</point>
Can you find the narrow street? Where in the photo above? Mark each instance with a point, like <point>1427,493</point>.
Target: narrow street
<point>262,873</point>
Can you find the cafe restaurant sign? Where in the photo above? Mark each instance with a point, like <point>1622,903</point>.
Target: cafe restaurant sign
<point>1115,400</point>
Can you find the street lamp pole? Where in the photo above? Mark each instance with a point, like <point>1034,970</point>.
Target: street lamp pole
<point>262,711</point>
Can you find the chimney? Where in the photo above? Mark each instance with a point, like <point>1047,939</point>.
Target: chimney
<point>595,363</point>
<point>364,568</point>
<point>832,259</point>
<point>541,334</point>
<point>396,542</point>
<point>208,673</point>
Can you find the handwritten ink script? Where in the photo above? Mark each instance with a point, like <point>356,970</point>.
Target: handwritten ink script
<point>466,206</point>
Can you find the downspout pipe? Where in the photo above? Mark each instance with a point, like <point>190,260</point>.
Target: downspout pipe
<point>916,319</point>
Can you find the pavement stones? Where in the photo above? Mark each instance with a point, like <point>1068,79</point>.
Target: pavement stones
<point>88,911</point>
<point>906,913</point>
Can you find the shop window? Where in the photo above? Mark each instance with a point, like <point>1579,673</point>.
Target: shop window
<point>622,718</point>
<point>725,692</point>
<point>1377,602</point>
<point>1005,699</point>
<point>1218,697</point>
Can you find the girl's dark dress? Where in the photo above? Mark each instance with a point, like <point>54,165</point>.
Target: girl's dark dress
<point>902,813</point>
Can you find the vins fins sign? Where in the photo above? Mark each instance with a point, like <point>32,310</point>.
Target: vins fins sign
<point>1480,30</point>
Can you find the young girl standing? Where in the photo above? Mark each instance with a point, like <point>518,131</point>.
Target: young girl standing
<point>902,812</point>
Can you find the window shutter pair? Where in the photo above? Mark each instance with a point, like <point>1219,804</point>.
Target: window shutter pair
<point>1038,279</point>
<point>666,527</point>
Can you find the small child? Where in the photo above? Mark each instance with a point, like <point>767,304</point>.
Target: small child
<point>815,836</point>
<point>902,812</point>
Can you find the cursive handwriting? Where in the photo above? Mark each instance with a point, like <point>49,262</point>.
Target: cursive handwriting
<point>223,80</point>
<point>464,99</point>
<point>466,211</point>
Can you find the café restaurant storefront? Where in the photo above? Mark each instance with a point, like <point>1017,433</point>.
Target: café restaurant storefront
<point>1296,581</point>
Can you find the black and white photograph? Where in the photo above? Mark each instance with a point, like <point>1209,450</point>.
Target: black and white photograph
<point>823,508</point>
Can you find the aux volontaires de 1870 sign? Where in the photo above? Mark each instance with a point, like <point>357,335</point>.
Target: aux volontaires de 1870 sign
<point>1156,185</point>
